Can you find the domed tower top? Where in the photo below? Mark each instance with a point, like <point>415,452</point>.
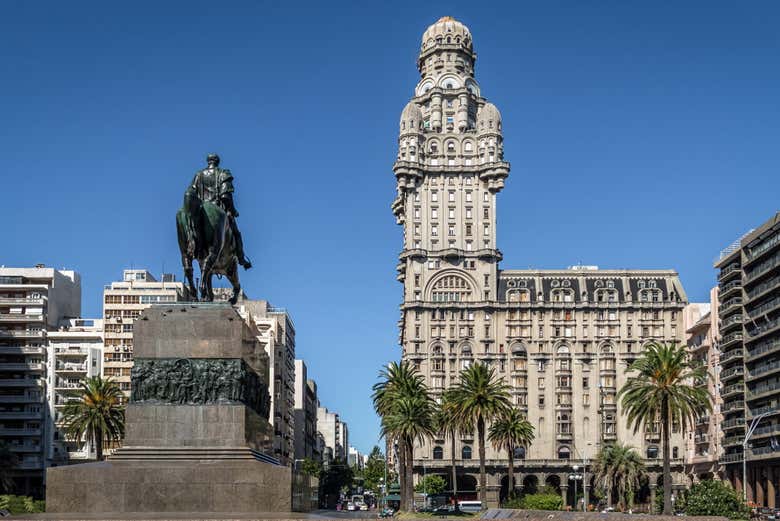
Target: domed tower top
<point>447,35</point>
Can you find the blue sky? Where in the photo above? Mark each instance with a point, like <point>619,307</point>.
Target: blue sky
<point>641,135</point>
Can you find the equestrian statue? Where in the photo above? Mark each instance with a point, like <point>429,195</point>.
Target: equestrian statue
<point>207,231</point>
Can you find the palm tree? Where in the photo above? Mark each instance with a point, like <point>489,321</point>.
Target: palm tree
<point>97,415</point>
<point>402,401</point>
<point>479,397</point>
<point>449,425</point>
<point>619,467</point>
<point>508,431</point>
<point>663,388</point>
<point>8,460</point>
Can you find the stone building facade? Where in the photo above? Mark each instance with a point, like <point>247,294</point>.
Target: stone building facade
<point>305,414</point>
<point>749,286</point>
<point>562,339</point>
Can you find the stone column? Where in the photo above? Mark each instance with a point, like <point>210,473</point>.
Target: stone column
<point>586,495</point>
<point>758,473</point>
<point>736,480</point>
<point>770,486</point>
<point>653,486</point>
<point>749,480</point>
<point>564,494</point>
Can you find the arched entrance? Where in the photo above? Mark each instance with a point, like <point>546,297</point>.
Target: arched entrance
<point>530,484</point>
<point>553,480</point>
<point>467,487</point>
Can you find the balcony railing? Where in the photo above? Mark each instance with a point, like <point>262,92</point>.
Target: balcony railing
<point>764,308</point>
<point>732,389</point>
<point>733,406</point>
<point>728,270</point>
<point>731,458</point>
<point>728,355</point>
<point>762,389</point>
<point>734,319</point>
<point>769,429</point>
<point>730,286</point>
<point>21,333</point>
<point>762,268</point>
<point>21,382</point>
<point>729,304</point>
<point>731,373</point>
<point>23,301</point>
<point>763,369</point>
<point>755,411</point>
<point>764,347</point>
<point>731,337</point>
<point>20,317</point>
<point>736,422</point>
<point>762,328</point>
<point>19,431</point>
<point>763,287</point>
<point>14,366</point>
<point>763,247</point>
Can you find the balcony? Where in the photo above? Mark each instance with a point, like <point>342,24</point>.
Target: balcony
<point>30,464</point>
<point>768,430</point>
<point>21,333</point>
<point>732,287</point>
<point>21,431</point>
<point>21,382</point>
<point>734,372</point>
<point>701,438</point>
<point>731,458</point>
<point>763,451</point>
<point>16,366</point>
<point>733,406</point>
<point>20,398</point>
<point>20,415</point>
<point>734,354</point>
<point>762,268</point>
<point>763,369</point>
<point>730,339</point>
<point>761,390</point>
<point>766,307</point>
<point>71,368</point>
<point>20,317</point>
<point>25,447</point>
<point>21,350</point>
<point>703,420</point>
<point>732,424</point>
<point>8,301</point>
<point>71,351</point>
<point>731,441</point>
<point>763,348</point>
<point>729,271</point>
<point>731,322</point>
<point>755,411</point>
<point>762,329</point>
<point>733,390</point>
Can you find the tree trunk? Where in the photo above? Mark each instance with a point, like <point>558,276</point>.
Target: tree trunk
<point>99,444</point>
<point>402,471</point>
<point>409,475</point>
<point>454,472</point>
<point>667,463</point>
<point>510,474</point>
<point>482,478</point>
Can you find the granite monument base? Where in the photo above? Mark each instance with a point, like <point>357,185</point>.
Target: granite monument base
<point>197,431</point>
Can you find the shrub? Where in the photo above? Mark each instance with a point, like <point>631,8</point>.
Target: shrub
<point>22,504</point>
<point>542,502</point>
<point>715,498</point>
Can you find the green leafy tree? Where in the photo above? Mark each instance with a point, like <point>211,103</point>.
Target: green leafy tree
<point>449,425</point>
<point>22,504</point>
<point>406,409</point>
<point>374,471</point>
<point>431,484</point>
<point>714,498</point>
<point>311,467</point>
<point>8,460</point>
<point>663,388</point>
<point>479,398</point>
<point>542,501</point>
<point>619,467</point>
<point>510,430</point>
<point>335,478</point>
<point>97,416</point>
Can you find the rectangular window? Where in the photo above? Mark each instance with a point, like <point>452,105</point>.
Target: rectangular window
<point>469,246</point>
<point>434,195</point>
<point>485,197</point>
<point>451,196</point>
<point>485,213</point>
<point>585,382</point>
<point>417,212</point>
<point>541,383</point>
<point>468,213</point>
<point>434,213</point>
<point>451,231</point>
<point>468,196</point>
<point>434,231</point>
<point>451,213</point>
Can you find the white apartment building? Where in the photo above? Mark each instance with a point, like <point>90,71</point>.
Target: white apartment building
<point>123,302</point>
<point>75,353</point>
<point>33,302</point>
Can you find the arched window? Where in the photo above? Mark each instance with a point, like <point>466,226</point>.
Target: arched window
<point>465,452</point>
<point>652,452</point>
<point>434,148</point>
<point>468,146</point>
<point>564,453</point>
<point>436,349</point>
<point>563,350</point>
<point>451,288</point>
<point>451,147</point>
<point>519,453</point>
<point>438,453</point>
<point>562,295</point>
<point>519,350</point>
<point>466,349</point>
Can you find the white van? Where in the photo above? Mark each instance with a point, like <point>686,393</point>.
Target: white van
<point>470,506</point>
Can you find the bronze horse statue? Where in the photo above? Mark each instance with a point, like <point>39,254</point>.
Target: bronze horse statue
<point>207,231</point>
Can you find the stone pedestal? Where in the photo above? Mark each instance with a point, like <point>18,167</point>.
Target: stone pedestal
<point>197,428</point>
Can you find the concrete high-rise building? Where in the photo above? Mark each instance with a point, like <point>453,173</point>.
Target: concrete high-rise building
<point>305,414</point>
<point>75,353</point>
<point>33,302</point>
<point>123,302</point>
<point>355,458</point>
<point>277,336</point>
<point>562,339</point>
<point>703,443</point>
<point>749,292</point>
<point>335,436</point>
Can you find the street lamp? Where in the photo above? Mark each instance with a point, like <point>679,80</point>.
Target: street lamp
<point>425,485</point>
<point>576,476</point>
<point>752,428</point>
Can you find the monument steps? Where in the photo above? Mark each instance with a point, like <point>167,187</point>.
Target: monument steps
<point>190,453</point>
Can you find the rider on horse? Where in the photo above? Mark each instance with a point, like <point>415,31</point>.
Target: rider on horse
<point>215,185</point>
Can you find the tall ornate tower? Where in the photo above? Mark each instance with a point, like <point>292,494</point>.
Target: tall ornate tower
<point>449,169</point>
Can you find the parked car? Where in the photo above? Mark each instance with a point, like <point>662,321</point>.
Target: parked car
<point>350,506</point>
<point>470,506</point>
<point>363,506</point>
